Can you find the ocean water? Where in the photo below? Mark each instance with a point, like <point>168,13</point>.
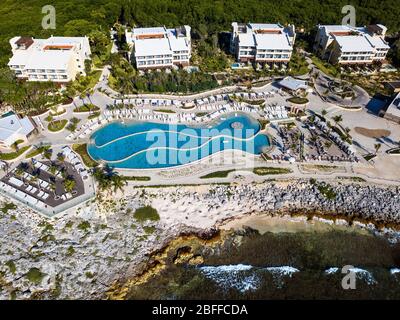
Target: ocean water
<point>145,145</point>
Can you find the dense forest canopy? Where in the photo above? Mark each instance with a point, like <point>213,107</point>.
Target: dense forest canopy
<point>76,17</point>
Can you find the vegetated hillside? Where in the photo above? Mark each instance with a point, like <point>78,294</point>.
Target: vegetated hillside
<point>76,17</point>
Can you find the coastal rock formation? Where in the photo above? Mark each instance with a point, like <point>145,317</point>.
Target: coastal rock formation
<point>82,253</point>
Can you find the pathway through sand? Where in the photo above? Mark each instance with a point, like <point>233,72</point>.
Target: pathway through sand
<point>372,133</point>
<point>265,223</point>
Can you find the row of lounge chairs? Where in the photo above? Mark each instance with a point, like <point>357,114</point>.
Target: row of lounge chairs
<point>75,161</point>
<point>21,196</point>
<point>28,188</point>
<point>275,112</point>
<point>200,101</point>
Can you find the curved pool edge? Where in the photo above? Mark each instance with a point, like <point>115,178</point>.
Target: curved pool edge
<point>205,125</point>
<point>180,166</point>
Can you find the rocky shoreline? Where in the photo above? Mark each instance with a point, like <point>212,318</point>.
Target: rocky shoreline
<point>85,253</point>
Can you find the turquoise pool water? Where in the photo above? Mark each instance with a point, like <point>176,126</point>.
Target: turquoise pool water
<point>148,145</point>
<point>10,113</point>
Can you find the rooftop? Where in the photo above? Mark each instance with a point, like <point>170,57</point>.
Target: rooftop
<point>394,107</point>
<point>153,30</point>
<point>11,124</point>
<point>265,26</point>
<point>293,84</point>
<point>246,39</point>
<point>377,42</point>
<point>48,60</point>
<point>272,41</point>
<point>144,47</point>
<point>353,43</point>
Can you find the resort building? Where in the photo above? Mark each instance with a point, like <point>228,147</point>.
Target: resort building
<point>159,47</point>
<point>392,112</point>
<point>13,128</point>
<point>342,44</point>
<point>293,85</point>
<point>262,43</point>
<point>57,59</point>
<point>393,86</point>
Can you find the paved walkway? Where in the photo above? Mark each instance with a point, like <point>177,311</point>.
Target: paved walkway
<point>351,119</point>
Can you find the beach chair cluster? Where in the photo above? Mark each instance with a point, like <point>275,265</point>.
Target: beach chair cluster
<point>25,192</point>
<point>75,161</point>
<point>227,108</point>
<point>87,128</point>
<point>275,112</point>
<point>343,145</point>
<point>44,167</point>
<point>252,95</point>
<point>149,102</point>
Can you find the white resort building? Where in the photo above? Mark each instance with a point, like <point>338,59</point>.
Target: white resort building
<point>392,111</point>
<point>262,43</point>
<point>341,44</point>
<point>159,47</point>
<point>13,128</point>
<point>57,59</point>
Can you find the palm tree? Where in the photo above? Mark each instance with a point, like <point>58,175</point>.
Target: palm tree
<point>53,169</point>
<point>328,144</point>
<point>69,184</point>
<point>118,183</point>
<point>377,146</point>
<point>48,153</point>
<point>53,188</point>
<point>15,146</point>
<point>314,139</point>
<point>19,171</point>
<point>107,179</point>
<point>337,119</point>
<point>34,179</point>
<point>61,157</point>
<point>324,112</point>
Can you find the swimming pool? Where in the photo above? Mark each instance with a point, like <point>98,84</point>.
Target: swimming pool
<point>148,145</point>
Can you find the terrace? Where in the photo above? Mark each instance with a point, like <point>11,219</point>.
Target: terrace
<point>48,186</point>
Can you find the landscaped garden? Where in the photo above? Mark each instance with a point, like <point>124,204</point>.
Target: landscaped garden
<point>81,149</point>
<point>325,67</point>
<point>57,125</point>
<point>37,151</point>
<point>13,155</point>
<point>298,100</point>
<point>262,171</point>
<point>87,108</point>
<point>217,174</point>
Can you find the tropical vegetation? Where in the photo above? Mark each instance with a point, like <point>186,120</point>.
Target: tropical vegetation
<point>108,180</point>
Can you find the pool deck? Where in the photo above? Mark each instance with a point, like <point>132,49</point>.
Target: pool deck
<point>383,168</point>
